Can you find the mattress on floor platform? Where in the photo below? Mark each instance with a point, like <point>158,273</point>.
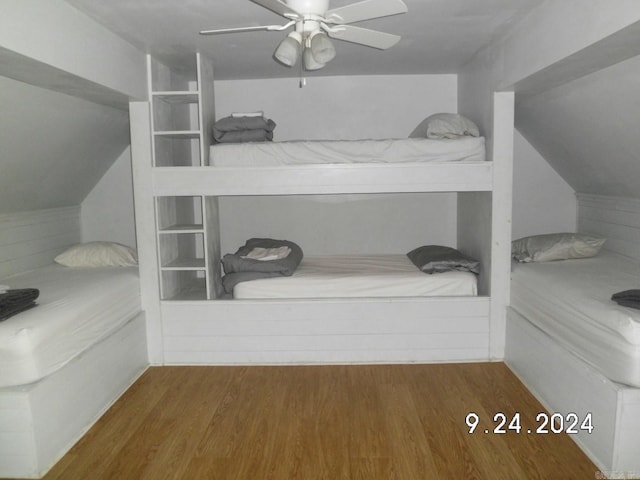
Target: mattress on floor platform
<point>405,150</point>
<point>77,308</point>
<point>570,300</point>
<point>338,276</point>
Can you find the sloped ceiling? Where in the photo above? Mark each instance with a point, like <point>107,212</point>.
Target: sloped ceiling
<point>588,129</point>
<point>54,148</point>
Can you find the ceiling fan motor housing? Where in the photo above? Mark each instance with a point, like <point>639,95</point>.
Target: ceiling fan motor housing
<point>307,27</point>
<point>313,7</point>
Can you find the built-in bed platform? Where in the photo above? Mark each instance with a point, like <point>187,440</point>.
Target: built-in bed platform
<point>65,361</point>
<point>579,352</point>
<point>368,166</point>
<point>571,301</point>
<point>77,308</point>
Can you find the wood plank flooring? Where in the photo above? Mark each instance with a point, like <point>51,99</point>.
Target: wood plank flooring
<point>321,422</point>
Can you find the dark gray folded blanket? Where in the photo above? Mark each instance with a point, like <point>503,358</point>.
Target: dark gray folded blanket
<point>16,301</point>
<point>439,258</point>
<point>244,136</point>
<point>627,298</point>
<point>243,129</point>
<point>238,269</point>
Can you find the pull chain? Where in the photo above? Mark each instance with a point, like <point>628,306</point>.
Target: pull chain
<point>303,80</point>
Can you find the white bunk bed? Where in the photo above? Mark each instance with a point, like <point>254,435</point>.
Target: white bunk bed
<point>576,349</point>
<point>65,361</point>
<point>197,326</point>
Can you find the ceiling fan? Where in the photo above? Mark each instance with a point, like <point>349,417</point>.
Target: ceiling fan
<point>314,23</point>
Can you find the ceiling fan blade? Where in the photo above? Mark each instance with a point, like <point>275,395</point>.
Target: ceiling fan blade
<point>257,28</point>
<point>365,10</point>
<point>363,36</point>
<point>279,7</point>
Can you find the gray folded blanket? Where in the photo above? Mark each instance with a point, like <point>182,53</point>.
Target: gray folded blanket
<point>238,269</point>
<point>627,298</point>
<point>243,136</point>
<point>243,129</point>
<point>16,301</point>
<point>438,258</point>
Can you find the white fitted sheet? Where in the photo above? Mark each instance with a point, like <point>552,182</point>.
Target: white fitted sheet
<point>406,150</point>
<point>571,301</point>
<point>337,276</point>
<point>77,308</point>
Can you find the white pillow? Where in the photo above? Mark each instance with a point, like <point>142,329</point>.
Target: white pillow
<point>445,125</point>
<point>98,254</point>
<point>556,246</point>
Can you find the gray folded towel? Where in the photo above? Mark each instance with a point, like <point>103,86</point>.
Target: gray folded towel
<point>243,129</point>
<point>243,136</point>
<point>627,298</point>
<point>16,301</point>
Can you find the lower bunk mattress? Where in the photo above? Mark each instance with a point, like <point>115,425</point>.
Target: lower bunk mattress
<point>340,276</point>
<point>570,300</point>
<point>405,150</point>
<point>77,308</point>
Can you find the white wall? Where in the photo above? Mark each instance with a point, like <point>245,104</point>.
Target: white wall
<point>342,108</point>
<point>336,108</point>
<point>341,224</point>
<point>107,212</point>
<point>542,201</point>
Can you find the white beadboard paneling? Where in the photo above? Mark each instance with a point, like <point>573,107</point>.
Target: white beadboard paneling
<point>370,309</point>
<point>30,240</point>
<point>326,357</point>
<point>367,342</point>
<point>616,218</point>
<point>335,326</point>
<point>328,331</point>
<point>330,349</point>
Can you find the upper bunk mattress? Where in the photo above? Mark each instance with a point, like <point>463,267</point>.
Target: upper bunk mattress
<point>77,308</point>
<point>571,301</point>
<point>338,276</point>
<point>406,150</point>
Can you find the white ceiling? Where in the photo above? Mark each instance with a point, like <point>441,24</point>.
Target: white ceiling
<point>438,36</point>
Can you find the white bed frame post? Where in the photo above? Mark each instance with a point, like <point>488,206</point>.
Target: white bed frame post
<point>139,114</point>
<point>484,223</point>
<point>503,127</point>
